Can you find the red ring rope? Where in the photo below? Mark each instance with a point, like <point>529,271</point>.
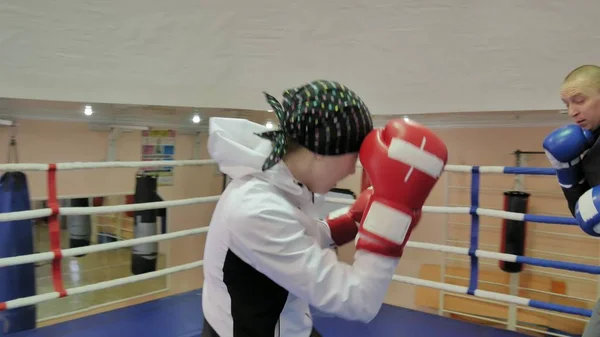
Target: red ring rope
<point>54,232</point>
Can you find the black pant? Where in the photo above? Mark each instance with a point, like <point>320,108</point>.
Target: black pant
<point>208,331</point>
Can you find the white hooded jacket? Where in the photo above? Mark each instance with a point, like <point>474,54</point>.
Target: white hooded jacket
<point>268,257</point>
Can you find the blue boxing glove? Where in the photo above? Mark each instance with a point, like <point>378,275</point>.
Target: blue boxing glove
<point>564,148</point>
<point>586,211</point>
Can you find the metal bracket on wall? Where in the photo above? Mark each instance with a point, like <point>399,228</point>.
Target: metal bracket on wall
<point>12,153</point>
<point>520,161</point>
<point>196,150</point>
<point>113,137</point>
<point>197,153</point>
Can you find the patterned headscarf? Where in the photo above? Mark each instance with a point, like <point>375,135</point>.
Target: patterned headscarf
<point>325,117</point>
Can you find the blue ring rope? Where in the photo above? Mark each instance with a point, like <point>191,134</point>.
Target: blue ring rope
<point>557,220</point>
<point>583,268</point>
<point>530,170</point>
<point>475,182</point>
<point>560,308</point>
<point>474,279</point>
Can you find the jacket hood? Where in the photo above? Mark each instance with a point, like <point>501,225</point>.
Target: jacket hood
<point>234,145</point>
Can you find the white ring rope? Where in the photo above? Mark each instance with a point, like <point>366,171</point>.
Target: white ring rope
<point>136,207</point>
<point>39,213</point>
<point>32,300</point>
<point>182,202</point>
<point>139,164</point>
<point>451,210</point>
<point>47,256</point>
<point>469,168</point>
<point>44,212</point>
<point>36,299</point>
<point>102,164</point>
<point>463,290</point>
<point>458,250</point>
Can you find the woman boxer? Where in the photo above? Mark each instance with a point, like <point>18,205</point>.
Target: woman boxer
<point>574,151</point>
<point>267,257</point>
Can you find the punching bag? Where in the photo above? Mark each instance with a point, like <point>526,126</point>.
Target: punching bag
<point>514,232</point>
<point>16,238</point>
<point>79,226</point>
<point>63,218</point>
<point>162,213</point>
<point>143,256</point>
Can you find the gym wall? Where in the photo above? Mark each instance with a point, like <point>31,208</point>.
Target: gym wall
<point>51,142</point>
<point>44,142</point>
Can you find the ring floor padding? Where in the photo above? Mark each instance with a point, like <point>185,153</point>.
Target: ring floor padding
<point>181,316</point>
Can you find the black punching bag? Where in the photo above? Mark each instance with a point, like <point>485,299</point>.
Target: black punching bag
<point>162,213</point>
<point>514,232</point>
<point>79,226</point>
<point>143,256</point>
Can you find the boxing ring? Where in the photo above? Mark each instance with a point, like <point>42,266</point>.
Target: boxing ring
<point>181,315</point>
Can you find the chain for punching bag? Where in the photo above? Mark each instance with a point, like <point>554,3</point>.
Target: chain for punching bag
<point>12,147</point>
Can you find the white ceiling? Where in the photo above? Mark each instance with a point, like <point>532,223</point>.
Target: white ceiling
<point>401,56</point>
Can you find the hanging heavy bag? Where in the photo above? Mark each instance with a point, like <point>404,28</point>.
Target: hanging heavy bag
<point>143,256</point>
<point>62,219</point>
<point>79,226</point>
<point>162,213</point>
<point>514,233</point>
<point>16,238</point>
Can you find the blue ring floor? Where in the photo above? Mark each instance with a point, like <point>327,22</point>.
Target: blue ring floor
<point>181,316</point>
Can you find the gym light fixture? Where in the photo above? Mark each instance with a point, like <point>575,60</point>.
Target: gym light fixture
<point>88,110</point>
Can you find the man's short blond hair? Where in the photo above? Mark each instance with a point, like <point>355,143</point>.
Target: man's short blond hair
<point>588,75</point>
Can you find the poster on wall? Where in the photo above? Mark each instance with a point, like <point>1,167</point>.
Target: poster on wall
<point>159,145</point>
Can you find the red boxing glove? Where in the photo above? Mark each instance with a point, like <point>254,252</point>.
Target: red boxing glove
<point>343,223</point>
<point>404,161</point>
<point>364,181</point>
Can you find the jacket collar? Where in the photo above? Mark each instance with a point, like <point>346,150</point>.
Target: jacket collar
<point>283,179</point>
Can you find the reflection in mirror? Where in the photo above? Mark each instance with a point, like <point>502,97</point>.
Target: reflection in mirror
<point>46,131</point>
<point>82,230</point>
